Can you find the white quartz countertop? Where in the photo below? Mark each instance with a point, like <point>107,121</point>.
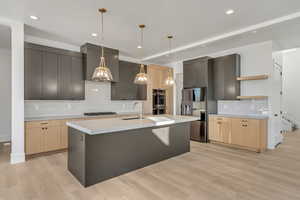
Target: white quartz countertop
<point>79,116</point>
<point>102,126</point>
<point>247,116</point>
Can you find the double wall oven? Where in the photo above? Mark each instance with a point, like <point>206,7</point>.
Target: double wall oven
<point>159,101</point>
<point>194,104</point>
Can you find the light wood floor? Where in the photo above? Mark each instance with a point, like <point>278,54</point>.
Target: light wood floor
<point>208,172</point>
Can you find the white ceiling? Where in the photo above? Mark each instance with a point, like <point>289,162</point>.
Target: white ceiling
<point>73,21</point>
<point>5,42</point>
<point>285,35</point>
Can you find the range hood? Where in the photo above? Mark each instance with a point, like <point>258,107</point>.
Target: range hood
<point>91,60</point>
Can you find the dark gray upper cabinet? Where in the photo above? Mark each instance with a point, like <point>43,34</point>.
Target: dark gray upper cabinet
<point>65,78</point>
<point>226,69</point>
<point>126,89</point>
<point>33,74</point>
<point>78,85</point>
<point>50,76</point>
<point>195,73</point>
<point>53,74</point>
<point>92,55</point>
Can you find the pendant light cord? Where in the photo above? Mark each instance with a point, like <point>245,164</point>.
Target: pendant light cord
<point>170,46</point>
<point>142,70</point>
<point>102,35</point>
<point>170,37</point>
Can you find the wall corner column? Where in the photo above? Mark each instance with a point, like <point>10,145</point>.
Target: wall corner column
<point>17,122</point>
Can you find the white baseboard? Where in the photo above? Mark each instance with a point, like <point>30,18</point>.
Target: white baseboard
<point>5,137</point>
<point>16,158</point>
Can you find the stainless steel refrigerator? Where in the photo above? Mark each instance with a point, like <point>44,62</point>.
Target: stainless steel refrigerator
<point>194,103</point>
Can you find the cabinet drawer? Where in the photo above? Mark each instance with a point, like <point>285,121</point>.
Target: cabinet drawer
<point>37,124</point>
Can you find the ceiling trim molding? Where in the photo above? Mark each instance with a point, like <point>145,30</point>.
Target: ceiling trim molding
<point>226,35</point>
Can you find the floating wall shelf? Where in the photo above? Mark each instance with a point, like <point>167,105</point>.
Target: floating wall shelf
<point>252,97</point>
<point>257,77</point>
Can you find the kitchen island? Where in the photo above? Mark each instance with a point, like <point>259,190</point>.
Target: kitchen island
<point>106,148</point>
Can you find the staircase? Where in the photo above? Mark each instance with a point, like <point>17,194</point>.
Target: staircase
<point>288,123</point>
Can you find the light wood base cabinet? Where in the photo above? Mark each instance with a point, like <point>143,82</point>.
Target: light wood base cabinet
<point>51,135</point>
<point>42,136</point>
<point>244,133</point>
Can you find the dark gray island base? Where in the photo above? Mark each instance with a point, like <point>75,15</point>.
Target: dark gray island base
<point>95,158</point>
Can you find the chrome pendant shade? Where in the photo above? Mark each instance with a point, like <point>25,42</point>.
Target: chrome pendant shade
<point>170,80</point>
<point>102,72</point>
<point>141,78</point>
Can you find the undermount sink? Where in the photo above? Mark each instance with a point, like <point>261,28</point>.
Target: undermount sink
<point>132,118</point>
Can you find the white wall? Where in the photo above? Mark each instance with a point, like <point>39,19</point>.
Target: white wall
<point>291,83</point>
<point>5,95</point>
<point>255,59</point>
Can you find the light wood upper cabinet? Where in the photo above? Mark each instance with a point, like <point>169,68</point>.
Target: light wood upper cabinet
<point>157,80</point>
<point>247,133</point>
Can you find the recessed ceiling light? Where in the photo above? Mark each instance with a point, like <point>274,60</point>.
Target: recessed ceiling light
<point>229,12</point>
<point>139,47</point>
<point>94,34</point>
<point>254,32</point>
<point>34,17</point>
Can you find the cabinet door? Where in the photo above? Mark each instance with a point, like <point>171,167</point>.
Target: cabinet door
<point>245,132</point>
<point>231,72</point>
<point>33,74</point>
<point>64,136</point>
<point>212,133</point>
<point>226,131</point>
<point>237,132</point>
<point>33,140</point>
<point>156,78</point>
<point>222,130</point>
<point>226,69</point>
<point>65,77</point>
<point>218,81</point>
<point>78,86</point>
<point>52,138</point>
<point>50,76</point>
<point>251,133</point>
<point>195,73</point>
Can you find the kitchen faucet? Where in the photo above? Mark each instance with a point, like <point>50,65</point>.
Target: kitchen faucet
<point>141,109</point>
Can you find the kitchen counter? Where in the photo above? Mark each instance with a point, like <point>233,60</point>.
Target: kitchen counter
<point>105,148</point>
<point>93,127</point>
<point>61,117</point>
<point>247,116</point>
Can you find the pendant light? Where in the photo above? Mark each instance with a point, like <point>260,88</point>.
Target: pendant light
<point>102,72</point>
<point>141,78</point>
<point>170,80</point>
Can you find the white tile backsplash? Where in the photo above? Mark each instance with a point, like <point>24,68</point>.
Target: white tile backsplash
<point>97,100</point>
<point>243,107</point>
